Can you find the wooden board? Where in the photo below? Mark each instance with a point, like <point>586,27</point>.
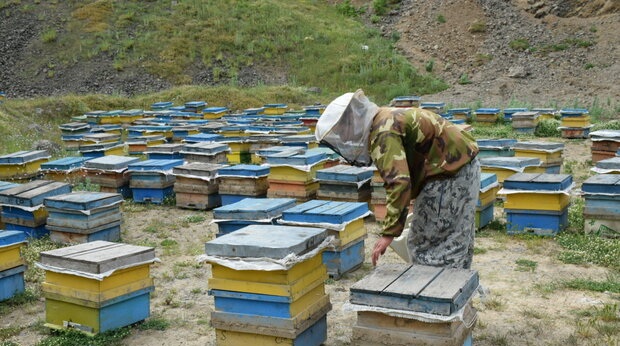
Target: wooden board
<point>290,158</point>
<point>434,290</point>
<point>538,181</point>
<point>326,211</point>
<point>244,170</point>
<point>198,169</point>
<point>612,163</point>
<point>82,200</point>
<point>154,165</point>
<point>97,257</point>
<point>271,241</point>
<point>344,173</point>
<point>70,238</point>
<point>512,162</point>
<point>21,157</point>
<point>110,162</point>
<point>33,193</point>
<point>254,209</point>
<point>602,183</point>
<point>11,237</point>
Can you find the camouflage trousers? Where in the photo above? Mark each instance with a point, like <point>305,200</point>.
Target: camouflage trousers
<point>443,224</point>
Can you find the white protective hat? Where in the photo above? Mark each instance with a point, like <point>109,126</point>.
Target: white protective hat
<point>345,127</point>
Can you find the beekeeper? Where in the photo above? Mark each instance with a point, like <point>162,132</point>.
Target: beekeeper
<point>420,156</point>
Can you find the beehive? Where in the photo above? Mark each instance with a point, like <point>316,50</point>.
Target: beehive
<point>22,165</point>
<point>602,205</point>
<point>504,167</point>
<point>249,211</point>
<point>152,180</point>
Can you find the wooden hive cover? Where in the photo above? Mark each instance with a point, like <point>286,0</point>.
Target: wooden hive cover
<point>145,139</point>
<point>98,137</point>
<point>33,193</point>
<point>605,135</point>
<point>199,169</point>
<point>205,148</point>
<point>110,162</point>
<point>344,173</point>
<point>65,163</point>
<point>292,158</point>
<point>23,156</point>
<point>496,143</point>
<point>155,165</point>
<point>254,209</point>
<point>165,148</point>
<point>11,237</point>
<point>5,185</point>
<point>611,163</point>
<point>551,146</point>
<point>244,170</point>
<point>83,200</point>
<point>487,179</point>
<point>280,148</point>
<point>203,137</point>
<point>602,183</point>
<point>538,181</point>
<point>418,288</point>
<point>98,256</point>
<point>318,211</point>
<point>513,162</point>
<point>271,241</point>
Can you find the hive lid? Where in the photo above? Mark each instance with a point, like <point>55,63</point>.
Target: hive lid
<point>110,162</point>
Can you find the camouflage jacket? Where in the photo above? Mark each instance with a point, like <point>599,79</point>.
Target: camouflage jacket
<point>409,146</point>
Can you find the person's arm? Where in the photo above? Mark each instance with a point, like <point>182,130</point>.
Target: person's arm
<point>389,157</point>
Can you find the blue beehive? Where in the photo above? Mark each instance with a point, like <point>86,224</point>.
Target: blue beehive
<point>611,164</point>
<point>150,181</point>
<point>573,112</point>
<point>291,158</point>
<point>317,211</point>
<point>508,112</point>
<point>602,183</point>
<point>12,282</point>
<point>343,173</point>
<point>250,211</point>
<point>539,222</point>
<point>243,170</point>
<point>496,147</point>
<point>203,137</point>
<point>64,164</point>
<point>538,181</point>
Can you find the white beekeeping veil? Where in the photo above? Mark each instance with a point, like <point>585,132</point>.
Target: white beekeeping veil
<point>345,127</point>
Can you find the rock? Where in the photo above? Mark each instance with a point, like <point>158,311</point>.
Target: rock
<point>518,72</point>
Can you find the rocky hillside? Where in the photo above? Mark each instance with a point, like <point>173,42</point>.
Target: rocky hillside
<point>494,52</point>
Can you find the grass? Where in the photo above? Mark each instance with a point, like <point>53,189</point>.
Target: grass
<point>585,249</point>
<point>75,338</point>
<point>525,265</point>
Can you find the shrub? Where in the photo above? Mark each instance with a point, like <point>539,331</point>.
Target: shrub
<point>520,44</point>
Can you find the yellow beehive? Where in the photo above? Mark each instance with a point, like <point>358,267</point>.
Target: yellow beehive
<point>488,196</point>
<point>292,174</point>
<point>8,171</point>
<point>537,201</point>
<point>10,256</point>
<point>544,156</point>
<point>503,173</point>
<point>352,231</point>
<point>580,121</point>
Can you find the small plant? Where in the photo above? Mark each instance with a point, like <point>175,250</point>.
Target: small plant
<point>479,250</point>
<point>482,59</point>
<point>49,36</point>
<point>155,323</point>
<point>87,185</point>
<point>347,9</point>
<point>380,7</point>
<point>547,128</point>
<point>195,218</point>
<point>429,66</point>
<point>464,79</point>
<point>575,215</point>
<point>524,265</point>
<point>441,19</point>
<point>71,337</point>
<point>520,44</point>
<point>588,66</point>
<point>477,27</point>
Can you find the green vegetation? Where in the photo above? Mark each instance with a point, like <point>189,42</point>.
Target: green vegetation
<point>525,265</point>
<point>478,27</point>
<point>154,323</point>
<point>589,249</point>
<point>464,79</point>
<point>441,19</point>
<point>520,44</point>
<point>76,338</point>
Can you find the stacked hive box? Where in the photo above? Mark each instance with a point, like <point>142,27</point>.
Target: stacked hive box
<point>344,221</point>
<point>402,305</point>
<point>22,165</point>
<point>204,152</point>
<point>194,106</point>
<point>97,286</point>
<point>249,211</point>
<point>496,147</point>
<point>71,134</point>
<point>486,116</point>
<point>12,266</point>
<point>293,172</point>
<point>171,151</point>
<point>344,183</point>
<point>508,113</point>
<point>504,167</point>
<point>463,114</point>
<point>549,153</point>
<point>110,173</point>
<point>611,165</point>
<point>196,185</point>
<point>304,141</point>
<point>274,108</point>
<point>5,185</point>
<point>138,145</point>
<point>82,217</point>
<point>259,142</point>
<point>601,212</point>
<point>162,105</point>
<point>537,202</point>
<point>23,208</point>
<point>545,113</point>
<point>150,130</point>
<point>95,145</point>
<point>437,107</point>
<point>130,115</point>
<point>152,180</point>
<point>276,302</point>
<point>486,199</point>
<point>575,123</point>
<point>180,132</point>
<point>525,122</point>
<point>68,170</point>
<point>405,101</point>
<point>605,144</point>
<point>242,181</point>
<point>214,113</point>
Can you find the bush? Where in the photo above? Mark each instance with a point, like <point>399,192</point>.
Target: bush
<point>548,128</point>
<point>520,44</point>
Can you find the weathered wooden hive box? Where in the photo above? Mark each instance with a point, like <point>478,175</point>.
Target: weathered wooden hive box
<point>67,169</point>
<point>81,217</point>
<point>486,199</point>
<point>486,116</point>
<point>405,101</point>
<point>293,172</point>
<point>138,145</point>
<point>537,202</point>
<point>5,185</point>
<point>305,141</point>
<point>23,209</point>
<point>152,180</point>
<point>241,181</point>
<point>414,289</point>
<point>12,266</point>
<point>344,183</point>
<point>269,307</point>
<point>167,151</point>
<point>205,152</point>
<point>612,165</point>
<point>22,165</point>
<point>602,205</point>
<point>504,167</point>
<point>250,211</point>
<point>196,185</point>
<point>343,220</point>
<point>110,173</point>
<point>549,153</point>
<point>605,144</point>
<point>508,113</point>
<point>97,286</point>
<point>101,149</point>
<point>574,123</point>
<point>214,112</point>
<point>496,147</point>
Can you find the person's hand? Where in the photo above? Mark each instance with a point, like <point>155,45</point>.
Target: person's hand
<point>380,247</point>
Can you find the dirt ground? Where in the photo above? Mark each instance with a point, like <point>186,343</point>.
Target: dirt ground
<point>516,310</point>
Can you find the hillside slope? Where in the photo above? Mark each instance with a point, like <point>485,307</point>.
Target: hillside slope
<point>491,52</point>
